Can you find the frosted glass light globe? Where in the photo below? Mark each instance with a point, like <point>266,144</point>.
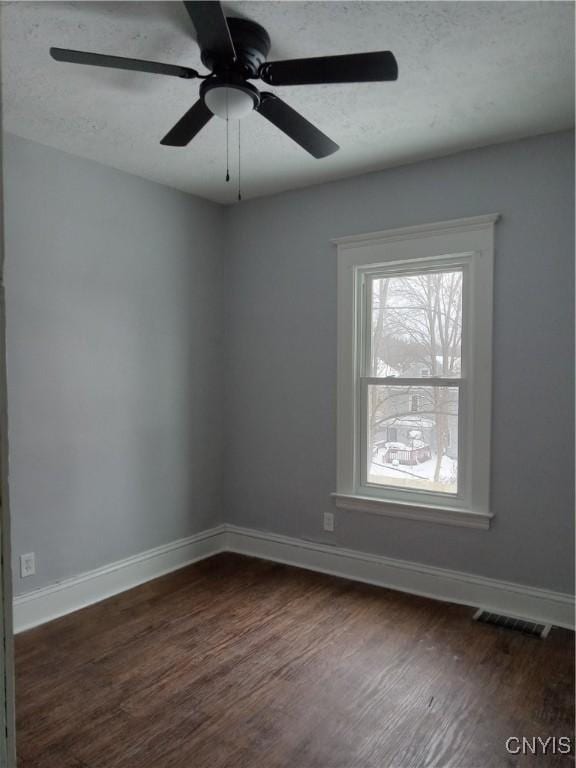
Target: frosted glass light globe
<point>228,101</point>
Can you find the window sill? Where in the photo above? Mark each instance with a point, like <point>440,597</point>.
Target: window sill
<point>413,511</point>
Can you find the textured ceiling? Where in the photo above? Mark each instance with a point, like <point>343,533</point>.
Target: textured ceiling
<point>470,74</point>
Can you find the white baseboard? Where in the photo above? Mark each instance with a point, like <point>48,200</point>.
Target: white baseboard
<point>47,603</point>
<point>438,583</point>
<point>56,600</point>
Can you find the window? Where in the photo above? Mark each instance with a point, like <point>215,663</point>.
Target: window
<point>415,403</point>
<point>414,349</point>
<point>415,317</point>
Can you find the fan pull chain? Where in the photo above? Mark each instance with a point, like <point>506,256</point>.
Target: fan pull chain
<point>239,185</point>
<point>227,142</point>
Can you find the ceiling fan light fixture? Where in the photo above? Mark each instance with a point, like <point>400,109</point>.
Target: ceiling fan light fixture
<point>230,101</point>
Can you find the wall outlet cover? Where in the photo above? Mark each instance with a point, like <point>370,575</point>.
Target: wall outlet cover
<point>27,565</point>
<point>328,521</point>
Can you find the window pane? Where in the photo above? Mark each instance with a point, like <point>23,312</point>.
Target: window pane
<point>417,325</point>
<point>413,437</point>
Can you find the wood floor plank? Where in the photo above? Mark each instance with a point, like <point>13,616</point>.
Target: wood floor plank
<point>236,662</point>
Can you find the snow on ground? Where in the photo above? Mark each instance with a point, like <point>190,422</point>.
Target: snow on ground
<point>414,475</point>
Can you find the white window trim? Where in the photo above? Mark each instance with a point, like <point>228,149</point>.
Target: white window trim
<point>463,242</point>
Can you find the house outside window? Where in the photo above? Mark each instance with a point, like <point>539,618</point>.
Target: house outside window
<point>414,327</point>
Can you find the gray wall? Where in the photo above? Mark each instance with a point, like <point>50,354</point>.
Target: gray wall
<point>281,342</point>
<point>127,309</point>
<point>114,327</point>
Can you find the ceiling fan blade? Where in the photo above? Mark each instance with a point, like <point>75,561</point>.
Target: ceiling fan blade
<point>352,68</point>
<point>295,126</point>
<point>188,126</point>
<point>119,62</point>
<point>211,27</point>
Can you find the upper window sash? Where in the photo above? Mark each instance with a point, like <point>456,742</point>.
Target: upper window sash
<point>434,265</point>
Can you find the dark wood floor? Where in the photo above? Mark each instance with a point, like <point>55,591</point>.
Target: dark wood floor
<point>238,663</point>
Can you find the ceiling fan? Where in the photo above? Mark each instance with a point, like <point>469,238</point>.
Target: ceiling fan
<point>235,51</point>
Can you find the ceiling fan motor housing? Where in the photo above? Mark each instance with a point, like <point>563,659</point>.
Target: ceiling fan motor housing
<point>252,46</point>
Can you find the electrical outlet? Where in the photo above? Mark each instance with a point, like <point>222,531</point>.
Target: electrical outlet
<point>329,521</point>
<point>27,565</point>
